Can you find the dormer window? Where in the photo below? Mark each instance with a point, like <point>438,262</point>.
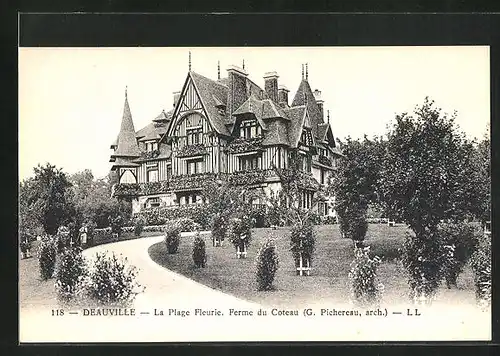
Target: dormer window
<point>306,137</point>
<point>151,146</point>
<point>249,129</point>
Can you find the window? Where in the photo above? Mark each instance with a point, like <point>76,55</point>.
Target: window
<point>151,146</point>
<point>153,202</point>
<point>190,198</point>
<point>194,166</point>
<point>305,163</point>
<point>169,171</point>
<point>194,135</point>
<point>323,176</point>
<point>152,175</point>
<point>248,163</point>
<point>306,199</point>
<point>322,209</point>
<point>249,129</point>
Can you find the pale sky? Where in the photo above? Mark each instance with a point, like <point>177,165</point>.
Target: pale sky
<point>71,99</point>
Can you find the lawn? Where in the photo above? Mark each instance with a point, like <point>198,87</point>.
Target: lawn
<point>328,281</point>
<point>33,291</point>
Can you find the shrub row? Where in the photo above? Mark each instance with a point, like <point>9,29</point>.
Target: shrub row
<point>184,224</point>
<point>107,280</point>
<point>200,214</point>
<point>203,215</point>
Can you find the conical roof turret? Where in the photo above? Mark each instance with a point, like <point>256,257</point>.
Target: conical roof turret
<point>127,142</point>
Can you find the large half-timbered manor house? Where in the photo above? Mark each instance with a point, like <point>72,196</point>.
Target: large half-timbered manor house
<point>229,127</point>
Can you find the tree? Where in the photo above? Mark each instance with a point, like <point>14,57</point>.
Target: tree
<point>224,200</point>
<point>482,162</point>
<point>426,179</point>
<point>426,176</point>
<point>46,196</point>
<point>29,211</point>
<point>354,183</point>
<point>93,201</point>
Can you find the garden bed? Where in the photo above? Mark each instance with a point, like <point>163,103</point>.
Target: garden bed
<point>329,278</point>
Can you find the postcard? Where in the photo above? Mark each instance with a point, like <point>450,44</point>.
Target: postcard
<point>245,194</point>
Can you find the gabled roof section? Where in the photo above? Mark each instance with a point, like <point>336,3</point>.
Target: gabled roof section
<point>272,110</point>
<point>126,145</point>
<point>212,94</point>
<point>305,96</point>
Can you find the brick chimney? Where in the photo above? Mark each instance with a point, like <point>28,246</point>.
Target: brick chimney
<point>319,101</point>
<point>271,85</point>
<point>177,95</point>
<point>237,93</point>
<point>283,96</point>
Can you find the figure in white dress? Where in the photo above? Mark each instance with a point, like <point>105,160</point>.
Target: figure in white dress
<point>83,235</point>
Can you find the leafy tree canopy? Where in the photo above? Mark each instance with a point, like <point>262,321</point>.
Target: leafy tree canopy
<point>430,171</point>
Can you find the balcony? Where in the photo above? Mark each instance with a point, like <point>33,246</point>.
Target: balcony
<point>191,150</point>
<point>131,190</point>
<point>250,177</point>
<point>242,145</point>
<point>189,182</point>
<point>150,154</point>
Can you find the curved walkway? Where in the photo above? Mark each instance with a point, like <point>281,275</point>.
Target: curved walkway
<point>164,287</point>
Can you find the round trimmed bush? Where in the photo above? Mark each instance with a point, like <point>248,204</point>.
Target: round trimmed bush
<point>302,241</point>
<point>70,273</point>
<point>267,263</point>
<point>112,281</point>
<point>47,256</point>
<point>172,237</point>
<point>199,252</point>
<point>240,232</point>
<point>363,278</point>
<point>138,227</point>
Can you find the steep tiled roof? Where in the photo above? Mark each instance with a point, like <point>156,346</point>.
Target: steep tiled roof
<point>122,162</point>
<point>322,130</point>
<point>152,131</point>
<point>165,153</point>
<point>315,115</point>
<point>164,116</point>
<point>271,110</point>
<point>253,106</point>
<point>277,133</point>
<point>296,116</point>
<point>212,94</point>
<point>126,142</point>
